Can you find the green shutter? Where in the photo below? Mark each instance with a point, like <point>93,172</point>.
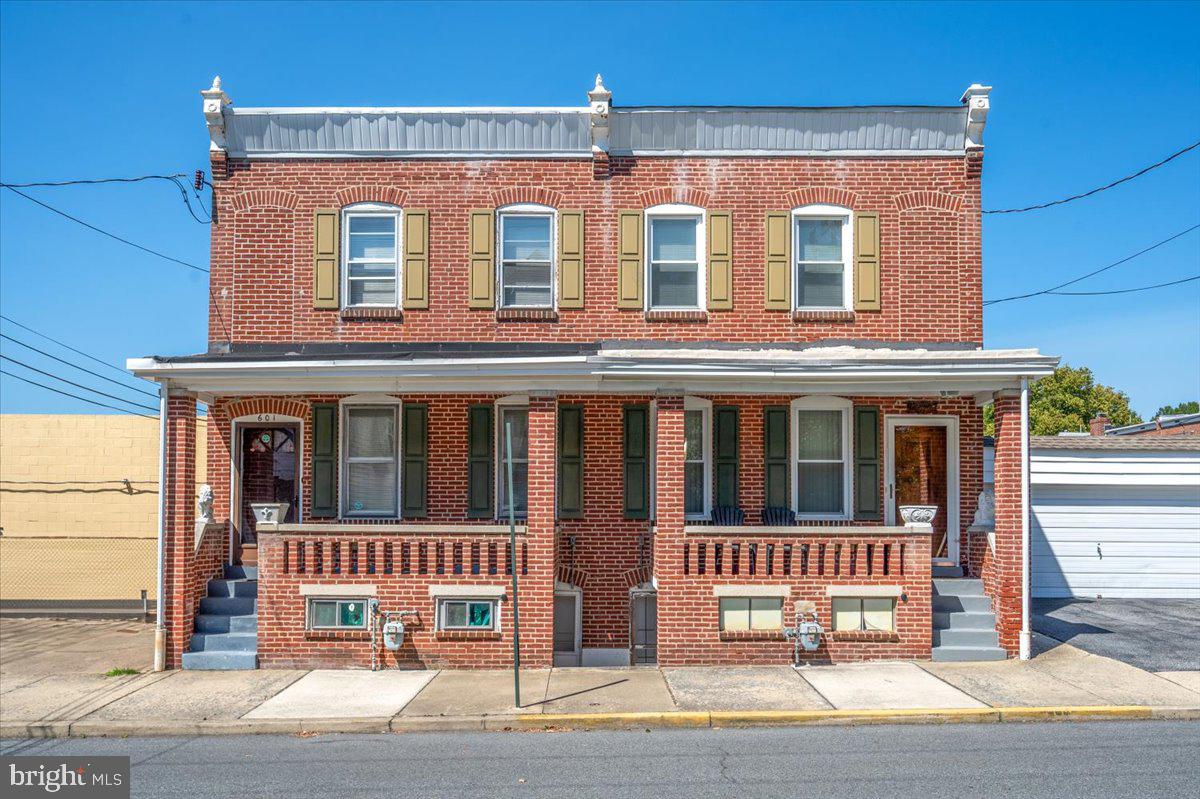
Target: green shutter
<point>636,450</point>
<point>415,477</point>
<point>570,461</point>
<point>324,460</point>
<point>479,462</point>
<point>866,463</point>
<point>725,454</point>
<point>775,456</point>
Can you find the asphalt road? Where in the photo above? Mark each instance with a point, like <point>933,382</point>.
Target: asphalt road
<point>1014,761</point>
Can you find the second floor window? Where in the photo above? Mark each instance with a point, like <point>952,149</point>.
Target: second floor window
<point>675,269</point>
<point>822,247</point>
<point>372,234</point>
<point>526,259</point>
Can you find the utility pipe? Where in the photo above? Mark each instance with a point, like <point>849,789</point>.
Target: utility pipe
<point>1026,638</point>
<point>160,630</point>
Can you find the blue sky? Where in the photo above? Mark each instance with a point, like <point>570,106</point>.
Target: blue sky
<point>1084,93</point>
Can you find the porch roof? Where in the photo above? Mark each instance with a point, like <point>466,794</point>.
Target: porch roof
<point>871,368</point>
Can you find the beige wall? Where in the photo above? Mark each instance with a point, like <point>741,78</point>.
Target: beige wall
<point>62,478</point>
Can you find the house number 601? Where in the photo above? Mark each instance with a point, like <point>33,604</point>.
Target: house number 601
<point>265,417</point>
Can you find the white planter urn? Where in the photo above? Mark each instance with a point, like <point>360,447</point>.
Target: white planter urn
<point>271,512</point>
<point>918,514</point>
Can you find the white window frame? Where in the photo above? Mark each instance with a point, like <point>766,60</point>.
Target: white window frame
<point>862,615</point>
<point>819,403</point>
<point>677,211</point>
<point>527,209</point>
<point>502,404</point>
<point>704,407</point>
<point>368,210</point>
<point>442,601</point>
<point>358,401</point>
<point>308,612</point>
<point>825,212</point>
<point>750,600</point>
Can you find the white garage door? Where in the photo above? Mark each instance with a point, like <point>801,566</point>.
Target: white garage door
<point>1115,541</point>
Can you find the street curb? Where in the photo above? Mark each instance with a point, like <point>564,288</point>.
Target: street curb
<point>589,721</point>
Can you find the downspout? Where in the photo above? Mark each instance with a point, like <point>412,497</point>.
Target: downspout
<point>160,630</point>
<point>1026,638</point>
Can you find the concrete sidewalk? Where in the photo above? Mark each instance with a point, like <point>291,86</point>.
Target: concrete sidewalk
<point>1061,681</point>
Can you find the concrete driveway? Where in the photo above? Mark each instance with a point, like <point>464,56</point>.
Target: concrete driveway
<point>1152,634</point>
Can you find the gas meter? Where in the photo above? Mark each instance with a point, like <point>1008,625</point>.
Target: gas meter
<point>393,635</point>
<point>809,634</point>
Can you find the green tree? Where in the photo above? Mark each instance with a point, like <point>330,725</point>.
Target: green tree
<point>1066,401</point>
<point>1183,407</point>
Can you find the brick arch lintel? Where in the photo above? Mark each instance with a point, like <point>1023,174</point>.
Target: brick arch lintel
<point>634,577</point>
<point>538,195</point>
<point>391,195</point>
<point>256,405</point>
<point>929,199</point>
<point>821,195</point>
<point>571,576</point>
<point>674,194</point>
<point>265,198</point>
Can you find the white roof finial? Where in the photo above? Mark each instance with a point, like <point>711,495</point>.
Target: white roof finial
<point>215,103</point>
<point>599,93</point>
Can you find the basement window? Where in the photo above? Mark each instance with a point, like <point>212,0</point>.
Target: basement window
<point>467,614</point>
<point>864,613</point>
<point>751,613</point>
<point>337,614</point>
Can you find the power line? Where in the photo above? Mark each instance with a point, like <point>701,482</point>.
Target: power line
<point>174,180</point>
<point>105,232</point>
<point>74,396</point>
<point>12,321</point>
<point>1124,291</point>
<point>1091,274</point>
<point>77,385</point>
<point>213,296</point>
<point>92,181</point>
<point>1125,179</point>
<point>75,366</point>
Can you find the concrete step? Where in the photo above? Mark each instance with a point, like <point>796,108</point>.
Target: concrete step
<point>220,661</point>
<point>967,654</point>
<point>944,586</point>
<point>229,606</point>
<point>947,571</point>
<point>224,642</point>
<point>968,603</point>
<point>224,623</point>
<point>241,572</point>
<point>970,638</point>
<point>966,620</point>
<point>233,588</point>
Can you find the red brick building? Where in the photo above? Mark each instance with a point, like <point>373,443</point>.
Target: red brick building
<point>730,345</point>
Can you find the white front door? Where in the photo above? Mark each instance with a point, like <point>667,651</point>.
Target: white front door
<point>895,422</point>
<point>567,634</point>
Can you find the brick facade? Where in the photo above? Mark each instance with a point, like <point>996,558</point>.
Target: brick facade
<point>928,208</point>
<point>262,292</point>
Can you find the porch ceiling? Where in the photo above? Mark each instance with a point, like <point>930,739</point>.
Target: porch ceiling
<point>602,367</point>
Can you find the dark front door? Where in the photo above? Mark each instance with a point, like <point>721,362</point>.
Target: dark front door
<point>645,628</point>
<point>269,473</point>
<point>921,476</point>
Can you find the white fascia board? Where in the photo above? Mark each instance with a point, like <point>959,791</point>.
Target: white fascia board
<point>639,153</point>
<point>478,155</point>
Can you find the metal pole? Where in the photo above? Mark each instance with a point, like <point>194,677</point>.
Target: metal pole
<point>512,548</point>
<point>1025,640</point>
<point>160,631</point>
